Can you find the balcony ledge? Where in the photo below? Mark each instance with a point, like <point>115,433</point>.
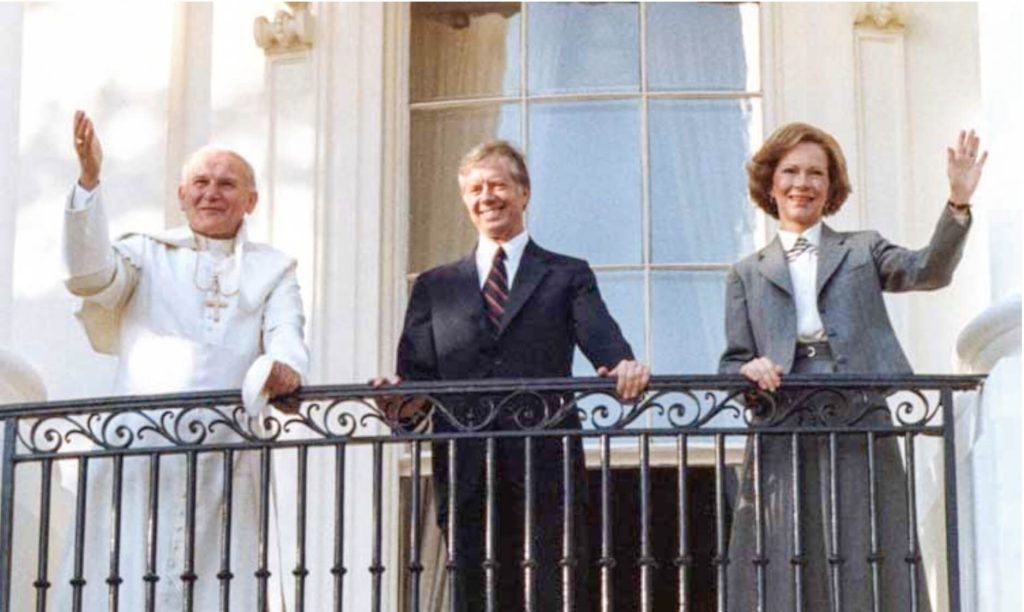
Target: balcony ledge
<point>993,334</point>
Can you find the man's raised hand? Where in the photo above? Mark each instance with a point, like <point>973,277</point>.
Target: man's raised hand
<point>88,150</point>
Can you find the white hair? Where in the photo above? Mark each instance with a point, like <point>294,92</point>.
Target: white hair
<point>247,172</point>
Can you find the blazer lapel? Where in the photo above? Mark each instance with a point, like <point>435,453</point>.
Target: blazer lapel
<point>772,265</point>
<point>532,270</point>
<point>831,252</point>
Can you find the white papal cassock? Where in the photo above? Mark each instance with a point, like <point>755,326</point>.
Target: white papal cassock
<point>182,313</point>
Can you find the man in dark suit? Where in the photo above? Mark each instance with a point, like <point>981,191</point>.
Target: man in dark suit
<point>510,309</point>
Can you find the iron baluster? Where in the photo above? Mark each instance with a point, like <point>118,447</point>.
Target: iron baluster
<point>114,579</point>
<point>224,576</point>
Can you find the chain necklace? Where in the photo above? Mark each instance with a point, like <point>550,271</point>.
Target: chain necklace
<point>215,300</point>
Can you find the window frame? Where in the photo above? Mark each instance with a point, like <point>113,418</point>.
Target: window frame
<point>397,79</point>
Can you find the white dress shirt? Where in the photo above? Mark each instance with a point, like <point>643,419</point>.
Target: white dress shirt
<point>486,248</point>
<point>803,273</point>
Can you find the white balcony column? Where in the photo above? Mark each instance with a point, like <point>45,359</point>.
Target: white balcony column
<point>988,431</point>
<point>1001,51</point>
<point>324,169</point>
<point>989,425</point>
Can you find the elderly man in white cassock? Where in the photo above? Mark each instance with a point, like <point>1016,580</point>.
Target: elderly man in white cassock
<point>189,309</point>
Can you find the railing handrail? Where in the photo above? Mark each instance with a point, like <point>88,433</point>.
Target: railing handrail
<point>729,382</point>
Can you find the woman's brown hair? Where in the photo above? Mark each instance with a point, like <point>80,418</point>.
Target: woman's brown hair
<point>761,167</point>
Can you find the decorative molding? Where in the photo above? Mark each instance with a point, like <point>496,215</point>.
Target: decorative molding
<point>990,336</point>
<point>882,175</point>
<point>881,16</point>
<point>291,31</point>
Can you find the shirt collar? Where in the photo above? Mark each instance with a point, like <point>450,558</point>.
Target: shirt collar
<point>514,248</point>
<point>223,246</point>
<point>812,234</point>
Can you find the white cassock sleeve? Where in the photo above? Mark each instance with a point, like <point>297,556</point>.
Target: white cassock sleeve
<point>283,341</point>
<point>94,270</point>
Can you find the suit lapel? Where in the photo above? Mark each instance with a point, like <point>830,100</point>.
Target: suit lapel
<point>831,252</point>
<point>468,299</point>
<point>532,270</point>
<point>772,265</point>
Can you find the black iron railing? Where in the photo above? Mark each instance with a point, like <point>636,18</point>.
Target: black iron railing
<point>100,436</point>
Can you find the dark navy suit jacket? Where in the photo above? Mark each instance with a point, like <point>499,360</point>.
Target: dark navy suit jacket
<point>554,305</point>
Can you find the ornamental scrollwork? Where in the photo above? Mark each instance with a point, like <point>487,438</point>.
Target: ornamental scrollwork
<point>364,412</point>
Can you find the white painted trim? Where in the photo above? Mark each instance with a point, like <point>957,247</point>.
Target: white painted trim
<point>323,54</point>
<point>394,234</point>
<point>395,183</point>
<point>772,74</point>
<point>11,24</point>
<point>772,100</point>
<point>880,94</point>
<point>881,169</point>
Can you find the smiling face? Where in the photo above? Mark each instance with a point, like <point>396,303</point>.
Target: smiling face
<point>800,186</point>
<point>495,201</point>
<point>216,193</point>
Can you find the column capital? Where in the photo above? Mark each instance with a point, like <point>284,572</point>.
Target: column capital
<point>880,15</point>
<point>291,31</point>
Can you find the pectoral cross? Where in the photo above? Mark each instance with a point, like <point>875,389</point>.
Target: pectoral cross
<point>215,301</point>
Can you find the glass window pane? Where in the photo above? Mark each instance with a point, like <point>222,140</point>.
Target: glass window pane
<point>700,211</point>
<point>575,47</point>
<point>464,50</point>
<point>701,46</point>
<point>688,318</point>
<point>585,169</point>
<point>623,293</point>
<point>439,228</point>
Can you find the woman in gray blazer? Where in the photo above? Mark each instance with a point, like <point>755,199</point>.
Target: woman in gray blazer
<point>811,302</point>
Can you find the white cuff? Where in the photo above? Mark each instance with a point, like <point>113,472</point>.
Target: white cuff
<point>254,397</point>
<point>86,241</point>
<point>81,197</point>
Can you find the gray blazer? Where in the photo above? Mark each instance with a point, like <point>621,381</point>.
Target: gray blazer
<point>854,268</point>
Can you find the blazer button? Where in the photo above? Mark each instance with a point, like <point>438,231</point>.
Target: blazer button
<point>831,333</point>
<point>499,361</point>
<point>841,359</point>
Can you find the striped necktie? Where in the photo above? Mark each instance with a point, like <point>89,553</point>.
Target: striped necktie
<point>799,247</point>
<point>495,291</point>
